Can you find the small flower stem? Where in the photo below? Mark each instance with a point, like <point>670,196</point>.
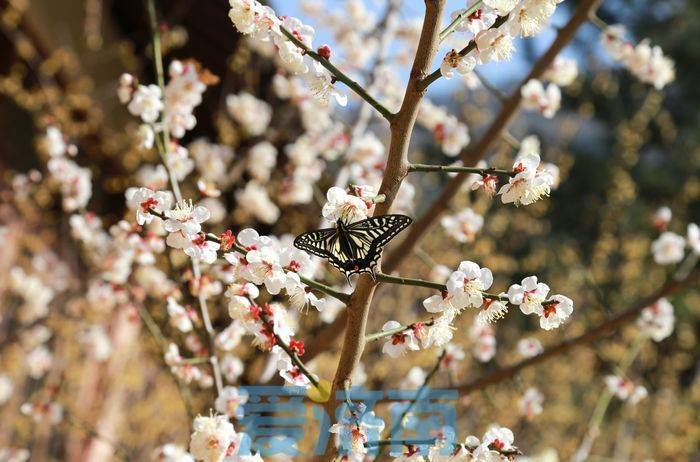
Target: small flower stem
<point>193,361</point>
<point>490,86</point>
<point>599,23</point>
<point>396,330</point>
<point>604,401</point>
<point>211,333</point>
<point>456,169</point>
<point>292,355</point>
<point>458,19</point>
<point>381,277</point>
<point>436,74</point>
<point>340,75</point>
<point>425,442</point>
<point>161,145</point>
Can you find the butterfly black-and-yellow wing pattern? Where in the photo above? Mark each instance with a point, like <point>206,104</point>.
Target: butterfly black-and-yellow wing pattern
<point>354,248</point>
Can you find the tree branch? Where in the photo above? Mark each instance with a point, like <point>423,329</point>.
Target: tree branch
<point>589,336</point>
<point>340,75</point>
<point>456,169</point>
<point>402,124</point>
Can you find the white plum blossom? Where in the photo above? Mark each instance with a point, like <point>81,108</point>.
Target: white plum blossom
<point>38,362</point>
<point>180,317</point>
<point>322,86</point>
<point>256,201</point>
<point>484,342</point>
<point>184,221</point>
<point>538,98</point>
<point>453,61</point>
<point>398,343</point>
<point>668,249</point>
<point>467,284</point>
<point>200,248</point>
<point>343,206</point>
<point>464,225</point>
<point>529,295</point>
<point>230,402</point>
<point>556,311</point>
<point>264,268</point>
<point>529,184</point>
<point>501,7</point>
<point>530,17</point>
<point>178,161</point>
<point>54,142</point>
<point>530,404</point>
<point>693,238</point>
<point>662,217</point>
<point>494,45</point>
<point>143,200</point>
<point>499,438</point>
<point>231,367</point>
<point>621,387</point>
<point>211,437</point>
<point>96,342</point>
<point>243,14</point>
<point>491,311</point>
<point>453,354</point>
<point>563,71</point>
<point>657,320</point>
<point>251,113</point>
<point>529,347</point>
<point>146,103</point>
<point>261,161</point>
<point>171,453</point>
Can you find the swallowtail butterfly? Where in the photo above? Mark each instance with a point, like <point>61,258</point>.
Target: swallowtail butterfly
<point>354,248</point>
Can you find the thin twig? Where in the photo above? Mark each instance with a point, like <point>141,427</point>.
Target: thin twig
<point>426,382</point>
<point>593,334</point>
<point>458,19</point>
<point>291,353</point>
<point>340,75</point>
<point>458,169</point>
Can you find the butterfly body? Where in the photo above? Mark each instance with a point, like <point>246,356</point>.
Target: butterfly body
<point>353,248</point>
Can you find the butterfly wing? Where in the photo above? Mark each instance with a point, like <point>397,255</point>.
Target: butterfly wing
<point>317,242</point>
<point>364,241</point>
<point>354,248</point>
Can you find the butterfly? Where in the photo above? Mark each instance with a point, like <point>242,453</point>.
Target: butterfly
<point>356,247</point>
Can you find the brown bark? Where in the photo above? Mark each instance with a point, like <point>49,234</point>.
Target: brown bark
<point>397,167</point>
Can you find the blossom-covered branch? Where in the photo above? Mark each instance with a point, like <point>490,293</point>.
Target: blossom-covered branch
<point>591,335</point>
<point>339,75</point>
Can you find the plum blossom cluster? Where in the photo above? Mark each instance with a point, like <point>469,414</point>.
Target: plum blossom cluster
<point>492,27</point>
<point>625,390</point>
<point>214,439</point>
<point>670,248</point>
<point>467,287</point>
<point>646,62</point>
<point>74,182</point>
<point>169,109</point>
<point>657,320</point>
<point>449,133</point>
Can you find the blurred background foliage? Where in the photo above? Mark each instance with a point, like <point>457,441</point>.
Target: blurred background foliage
<point>624,149</point>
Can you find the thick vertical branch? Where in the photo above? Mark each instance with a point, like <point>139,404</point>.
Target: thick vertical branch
<point>397,168</point>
